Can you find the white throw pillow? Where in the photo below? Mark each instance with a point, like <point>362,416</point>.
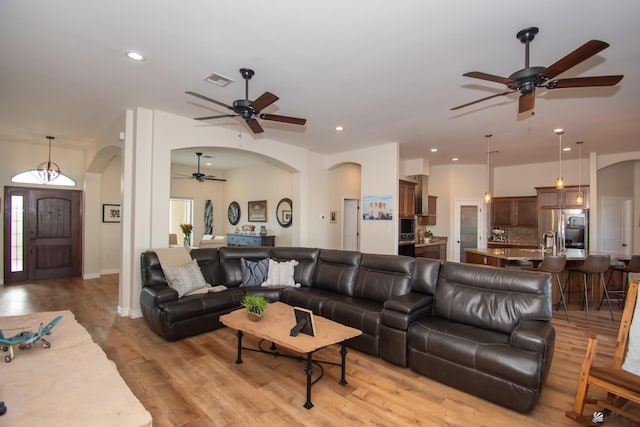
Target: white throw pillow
<point>281,274</point>
<point>185,278</point>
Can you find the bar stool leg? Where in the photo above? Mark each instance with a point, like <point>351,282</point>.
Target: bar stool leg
<point>606,294</point>
<point>585,301</point>
<point>562,297</point>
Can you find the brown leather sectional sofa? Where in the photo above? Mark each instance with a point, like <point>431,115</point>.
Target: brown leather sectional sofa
<point>482,330</point>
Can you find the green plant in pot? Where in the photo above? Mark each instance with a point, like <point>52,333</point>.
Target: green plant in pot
<point>255,305</point>
<point>428,235</point>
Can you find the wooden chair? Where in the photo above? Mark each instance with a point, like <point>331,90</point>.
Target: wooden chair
<point>621,386</point>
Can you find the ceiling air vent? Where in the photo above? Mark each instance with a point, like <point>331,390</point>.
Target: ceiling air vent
<point>218,79</point>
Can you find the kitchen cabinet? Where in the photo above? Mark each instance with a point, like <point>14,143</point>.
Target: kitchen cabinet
<point>407,202</point>
<point>514,211</point>
<point>432,250</point>
<point>565,198</point>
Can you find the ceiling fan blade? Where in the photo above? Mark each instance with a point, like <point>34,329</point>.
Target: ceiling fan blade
<point>255,126</point>
<point>197,95</point>
<point>283,119</point>
<point>263,101</point>
<point>482,99</point>
<point>489,77</point>
<point>585,82</point>
<point>582,53</point>
<point>215,117</point>
<point>213,178</point>
<point>526,102</point>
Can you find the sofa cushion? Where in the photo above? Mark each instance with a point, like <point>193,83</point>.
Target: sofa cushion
<point>185,278</point>
<point>281,274</point>
<point>336,271</point>
<point>355,312</point>
<point>254,273</point>
<point>306,297</point>
<point>475,348</point>
<point>381,277</point>
<point>492,298</point>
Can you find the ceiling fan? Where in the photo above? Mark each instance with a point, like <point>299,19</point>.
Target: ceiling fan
<point>529,78</point>
<point>248,109</point>
<point>200,177</point>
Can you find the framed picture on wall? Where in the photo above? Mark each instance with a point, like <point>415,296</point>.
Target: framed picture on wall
<point>258,211</point>
<point>110,213</point>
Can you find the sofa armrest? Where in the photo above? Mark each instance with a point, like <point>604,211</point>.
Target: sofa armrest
<point>401,311</point>
<point>153,296</point>
<point>534,335</point>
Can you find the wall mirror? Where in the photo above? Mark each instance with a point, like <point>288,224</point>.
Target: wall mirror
<point>234,213</point>
<point>284,212</point>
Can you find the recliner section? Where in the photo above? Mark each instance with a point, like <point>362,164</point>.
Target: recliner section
<point>483,330</point>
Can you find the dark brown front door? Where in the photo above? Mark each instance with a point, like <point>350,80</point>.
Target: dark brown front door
<point>43,240</point>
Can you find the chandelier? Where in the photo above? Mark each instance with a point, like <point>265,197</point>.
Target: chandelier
<point>48,171</point>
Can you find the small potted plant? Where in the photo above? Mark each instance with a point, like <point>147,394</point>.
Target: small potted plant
<point>428,235</point>
<point>255,305</point>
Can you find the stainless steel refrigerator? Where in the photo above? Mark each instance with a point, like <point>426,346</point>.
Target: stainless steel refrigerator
<point>571,226</point>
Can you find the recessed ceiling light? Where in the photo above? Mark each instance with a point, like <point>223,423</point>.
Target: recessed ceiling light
<point>339,128</point>
<point>433,150</point>
<point>135,56</point>
<point>566,149</point>
<point>455,159</point>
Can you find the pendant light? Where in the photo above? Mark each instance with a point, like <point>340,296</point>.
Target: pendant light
<point>487,194</point>
<point>560,180</point>
<point>580,195</point>
<point>48,171</point>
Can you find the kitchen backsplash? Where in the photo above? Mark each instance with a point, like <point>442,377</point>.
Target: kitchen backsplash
<point>522,235</point>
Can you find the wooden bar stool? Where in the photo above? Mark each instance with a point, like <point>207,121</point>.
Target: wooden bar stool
<point>554,264</point>
<point>594,265</point>
<point>632,267</point>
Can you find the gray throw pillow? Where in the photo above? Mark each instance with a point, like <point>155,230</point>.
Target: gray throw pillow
<point>185,278</point>
<point>254,273</point>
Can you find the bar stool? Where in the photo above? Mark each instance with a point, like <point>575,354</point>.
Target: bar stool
<point>594,264</point>
<point>554,264</point>
<point>632,267</point>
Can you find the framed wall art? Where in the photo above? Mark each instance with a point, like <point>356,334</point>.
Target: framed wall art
<point>258,211</point>
<point>110,213</point>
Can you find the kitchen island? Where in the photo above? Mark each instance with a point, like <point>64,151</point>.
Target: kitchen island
<point>574,285</point>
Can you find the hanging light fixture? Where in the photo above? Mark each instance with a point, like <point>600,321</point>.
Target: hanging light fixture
<point>580,195</point>
<point>560,180</point>
<point>48,171</point>
<point>487,194</point>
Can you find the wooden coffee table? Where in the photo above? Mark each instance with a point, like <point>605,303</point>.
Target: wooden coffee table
<point>275,327</point>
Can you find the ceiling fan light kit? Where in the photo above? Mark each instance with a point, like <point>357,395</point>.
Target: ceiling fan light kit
<point>250,110</point>
<point>529,78</point>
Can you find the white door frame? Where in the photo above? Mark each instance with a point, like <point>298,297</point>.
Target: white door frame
<point>454,253</point>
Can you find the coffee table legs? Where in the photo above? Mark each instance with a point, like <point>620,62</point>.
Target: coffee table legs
<point>239,334</point>
<point>343,353</point>
<point>309,371</point>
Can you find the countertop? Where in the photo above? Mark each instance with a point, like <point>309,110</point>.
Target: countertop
<point>516,254</point>
<point>500,242</point>
<point>432,243</point>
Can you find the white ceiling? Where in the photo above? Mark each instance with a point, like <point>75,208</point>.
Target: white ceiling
<point>386,71</point>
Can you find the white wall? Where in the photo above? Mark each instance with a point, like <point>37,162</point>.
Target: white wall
<point>110,233</point>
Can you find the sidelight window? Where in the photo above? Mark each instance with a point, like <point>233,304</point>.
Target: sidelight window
<point>17,233</point>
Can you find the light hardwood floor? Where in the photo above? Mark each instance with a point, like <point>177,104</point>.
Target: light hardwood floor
<point>195,382</point>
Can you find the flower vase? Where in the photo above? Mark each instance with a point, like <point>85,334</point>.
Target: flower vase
<point>187,241</point>
<point>263,230</point>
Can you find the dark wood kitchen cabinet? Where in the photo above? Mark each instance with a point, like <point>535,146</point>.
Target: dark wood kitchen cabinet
<point>407,199</point>
<point>565,198</point>
<point>515,211</point>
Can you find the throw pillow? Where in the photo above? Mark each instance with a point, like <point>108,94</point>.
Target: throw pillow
<point>254,273</point>
<point>281,274</point>
<point>185,278</point>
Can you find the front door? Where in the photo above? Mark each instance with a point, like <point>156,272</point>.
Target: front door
<point>43,234</point>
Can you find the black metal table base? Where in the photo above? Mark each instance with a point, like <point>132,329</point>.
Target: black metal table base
<point>273,350</point>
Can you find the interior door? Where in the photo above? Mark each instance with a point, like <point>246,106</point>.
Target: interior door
<point>43,234</point>
<point>616,225</point>
<point>350,232</point>
<point>468,233</point>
